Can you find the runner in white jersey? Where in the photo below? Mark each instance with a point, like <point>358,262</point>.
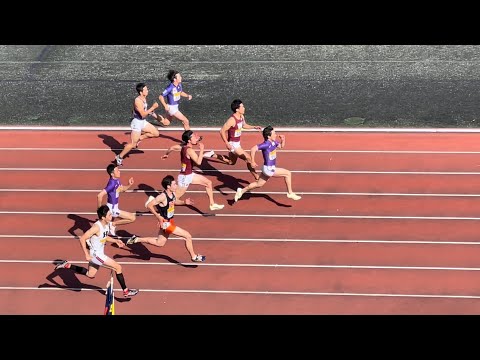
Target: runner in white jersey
<point>97,236</point>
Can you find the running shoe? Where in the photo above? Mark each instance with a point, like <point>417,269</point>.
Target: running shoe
<point>209,154</point>
<point>216,207</point>
<point>238,194</point>
<point>130,292</point>
<point>199,258</point>
<point>132,240</point>
<point>293,196</point>
<point>119,160</point>
<point>150,198</point>
<point>62,265</point>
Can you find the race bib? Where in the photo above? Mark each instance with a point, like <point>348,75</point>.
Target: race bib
<point>184,167</point>
<point>238,132</point>
<point>273,155</point>
<point>171,209</point>
<point>176,95</point>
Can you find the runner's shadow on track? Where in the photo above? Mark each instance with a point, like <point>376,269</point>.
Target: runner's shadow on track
<point>140,252</point>
<point>116,146</point>
<point>170,138</point>
<point>71,282</point>
<point>248,195</point>
<point>121,233</point>
<point>226,181</point>
<point>80,223</point>
<point>150,191</point>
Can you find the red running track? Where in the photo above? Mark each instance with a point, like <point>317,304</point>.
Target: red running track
<point>378,230</point>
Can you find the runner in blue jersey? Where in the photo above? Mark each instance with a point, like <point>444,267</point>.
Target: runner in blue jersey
<point>269,151</point>
<point>113,190</point>
<point>173,92</point>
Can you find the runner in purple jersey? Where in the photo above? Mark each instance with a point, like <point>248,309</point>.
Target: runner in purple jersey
<point>173,92</point>
<point>269,169</point>
<point>113,190</point>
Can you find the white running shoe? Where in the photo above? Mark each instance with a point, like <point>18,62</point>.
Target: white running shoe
<point>119,160</point>
<point>130,292</point>
<point>209,154</point>
<point>216,207</point>
<point>199,258</point>
<point>293,196</point>
<point>62,265</point>
<point>150,198</point>
<point>238,194</point>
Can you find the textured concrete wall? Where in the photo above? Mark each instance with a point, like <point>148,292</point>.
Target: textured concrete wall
<point>387,86</point>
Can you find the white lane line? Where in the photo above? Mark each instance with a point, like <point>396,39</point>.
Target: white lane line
<point>263,192</point>
<point>340,241</point>
<point>247,292</point>
<point>278,129</point>
<point>289,216</point>
<point>367,172</point>
<point>286,266</point>
<point>439,152</point>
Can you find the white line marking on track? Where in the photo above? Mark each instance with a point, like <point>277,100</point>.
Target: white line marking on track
<point>290,216</point>
<point>473,242</point>
<point>278,129</point>
<point>246,171</point>
<point>247,292</point>
<point>282,150</point>
<point>297,266</point>
<point>263,192</point>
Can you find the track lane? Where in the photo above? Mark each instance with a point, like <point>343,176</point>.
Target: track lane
<point>265,252</point>
<point>266,279</point>
<point>347,279</point>
<point>259,203</point>
<point>292,161</point>
<point>229,181</point>
<point>299,228</point>
<point>66,302</point>
<point>101,139</point>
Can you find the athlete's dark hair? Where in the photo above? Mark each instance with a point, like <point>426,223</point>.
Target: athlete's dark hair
<point>140,87</point>
<point>102,211</point>
<point>167,181</point>
<point>171,75</point>
<point>111,169</point>
<point>267,132</point>
<point>187,134</point>
<point>235,104</point>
